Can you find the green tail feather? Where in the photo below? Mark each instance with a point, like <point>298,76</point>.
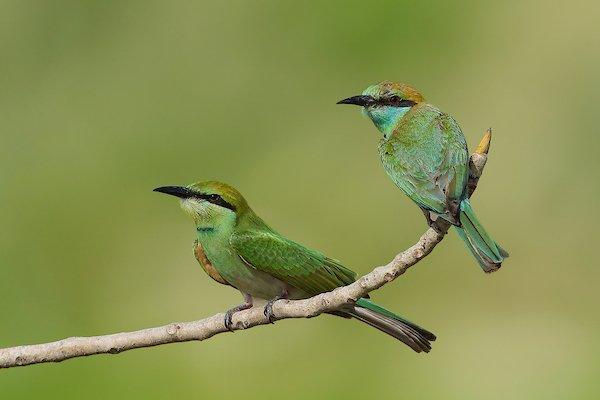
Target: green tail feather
<point>369,305</point>
<point>486,251</point>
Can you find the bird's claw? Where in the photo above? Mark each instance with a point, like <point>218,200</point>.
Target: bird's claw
<point>229,314</point>
<point>268,311</point>
<point>228,320</point>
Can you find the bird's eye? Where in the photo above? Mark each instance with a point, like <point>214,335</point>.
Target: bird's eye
<point>212,198</point>
<point>217,200</point>
<point>395,99</point>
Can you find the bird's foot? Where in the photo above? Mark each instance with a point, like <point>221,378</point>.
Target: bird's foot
<point>430,221</point>
<point>439,224</point>
<point>268,311</point>
<point>229,314</point>
<point>434,225</point>
<point>454,211</point>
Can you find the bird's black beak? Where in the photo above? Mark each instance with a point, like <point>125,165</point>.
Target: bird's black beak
<point>361,100</point>
<point>177,191</point>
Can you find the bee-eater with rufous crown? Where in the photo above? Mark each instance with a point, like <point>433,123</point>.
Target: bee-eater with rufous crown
<point>425,153</point>
<point>238,249</point>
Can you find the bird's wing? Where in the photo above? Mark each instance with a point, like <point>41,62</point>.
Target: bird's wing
<point>291,262</point>
<point>453,172</point>
<point>430,163</point>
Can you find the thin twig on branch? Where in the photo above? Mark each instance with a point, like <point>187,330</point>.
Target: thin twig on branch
<point>208,327</point>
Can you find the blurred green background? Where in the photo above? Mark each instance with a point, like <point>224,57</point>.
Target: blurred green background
<point>102,101</point>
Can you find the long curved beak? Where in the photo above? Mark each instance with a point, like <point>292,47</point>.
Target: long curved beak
<point>177,191</point>
<point>360,100</point>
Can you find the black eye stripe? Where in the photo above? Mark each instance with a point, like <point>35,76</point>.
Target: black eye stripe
<point>217,200</point>
<point>395,101</point>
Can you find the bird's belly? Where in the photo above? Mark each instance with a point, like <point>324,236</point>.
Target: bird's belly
<point>262,285</point>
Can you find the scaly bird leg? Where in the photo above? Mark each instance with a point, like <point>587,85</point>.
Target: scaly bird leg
<point>269,307</point>
<point>244,306</point>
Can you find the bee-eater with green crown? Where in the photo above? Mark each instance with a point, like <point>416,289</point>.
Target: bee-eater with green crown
<point>237,248</point>
<point>425,153</point>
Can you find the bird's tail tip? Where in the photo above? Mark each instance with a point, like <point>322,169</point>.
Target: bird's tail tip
<point>417,338</point>
<point>488,265</point>
<point>486,251</point>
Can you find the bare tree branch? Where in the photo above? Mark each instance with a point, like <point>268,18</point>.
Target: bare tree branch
<point>208,327</point>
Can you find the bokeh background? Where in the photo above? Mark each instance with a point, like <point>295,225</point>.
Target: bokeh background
<point>102,101</point>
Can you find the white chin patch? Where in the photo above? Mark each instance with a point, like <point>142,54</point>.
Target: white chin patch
<point>193,207</point>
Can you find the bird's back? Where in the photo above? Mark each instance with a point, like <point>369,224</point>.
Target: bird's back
<point>423,154</point>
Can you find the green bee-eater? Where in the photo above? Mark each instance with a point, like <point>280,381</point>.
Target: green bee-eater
<point>237,248</point>
<point>425,153</point>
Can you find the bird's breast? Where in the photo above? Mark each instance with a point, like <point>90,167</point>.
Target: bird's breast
<point>207,265</point>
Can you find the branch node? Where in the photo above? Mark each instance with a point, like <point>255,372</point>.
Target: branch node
<point>419,253</point>
<point>389,276</point>
<point>173,328</point>
<point>325,302</point>
<point>363,282</point>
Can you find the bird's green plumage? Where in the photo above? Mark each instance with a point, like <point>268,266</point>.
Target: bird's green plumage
<point>252,257</point>
<point>481,245</point>
<point>303,268</point>
<point>425,154</point>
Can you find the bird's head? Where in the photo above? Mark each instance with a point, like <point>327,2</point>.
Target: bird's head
<point>211,204</point>
<point>386,103</point>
